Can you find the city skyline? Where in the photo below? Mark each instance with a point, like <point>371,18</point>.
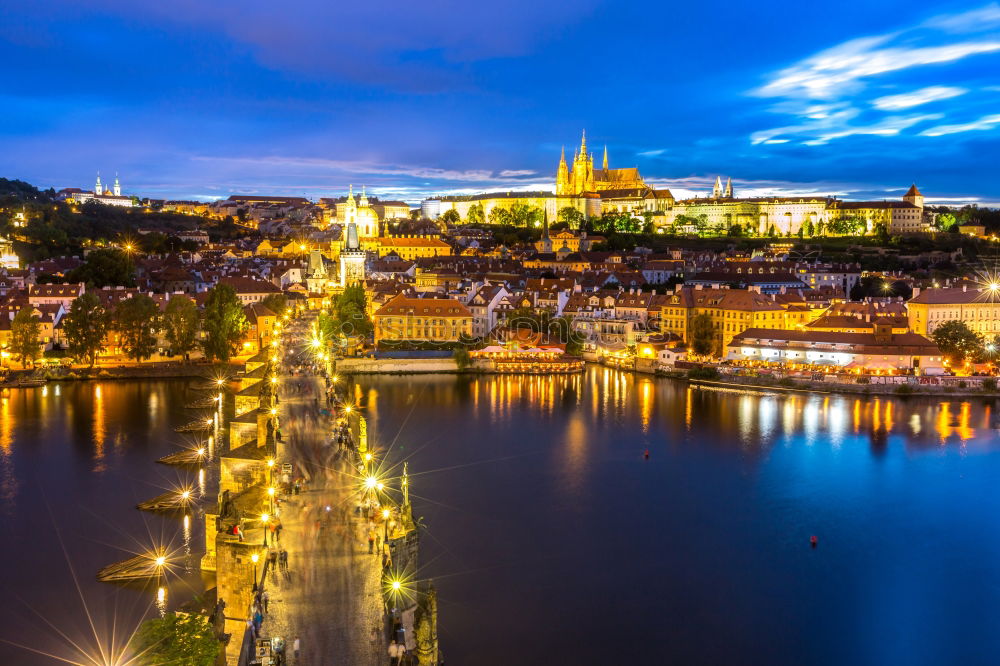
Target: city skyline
<point>190,101</point>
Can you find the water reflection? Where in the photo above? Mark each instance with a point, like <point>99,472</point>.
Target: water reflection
<point>99,429</point>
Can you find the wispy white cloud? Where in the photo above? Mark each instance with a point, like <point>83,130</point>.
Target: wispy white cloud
<point>975,20</point>
<point>984,123</point>
<point>841,70</point>
<point>652,153</point>
<point>826,92</point>
<point>917,97</point>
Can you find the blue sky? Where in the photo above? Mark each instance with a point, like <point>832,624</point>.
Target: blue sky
<point>201,99</point>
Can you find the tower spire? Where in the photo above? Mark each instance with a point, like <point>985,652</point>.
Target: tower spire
<point>605,165</point>
<point>729,188</point>
<point>717,190</point>
<point>406,484</point>
<point>583,144</point>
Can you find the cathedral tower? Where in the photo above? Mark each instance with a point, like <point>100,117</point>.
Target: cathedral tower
<point>118,187</point>
<point>562,175</point>
<point>98,190</point>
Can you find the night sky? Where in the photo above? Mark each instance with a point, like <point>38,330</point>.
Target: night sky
<point>196,99</point>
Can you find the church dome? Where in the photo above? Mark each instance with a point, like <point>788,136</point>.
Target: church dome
<point>367,221</point>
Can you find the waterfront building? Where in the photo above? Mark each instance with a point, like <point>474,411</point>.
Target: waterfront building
<point>879,351</point>
<point>977,307</point>
<point>409,319</point>
<point>731,311</point>
<point>483,306</point>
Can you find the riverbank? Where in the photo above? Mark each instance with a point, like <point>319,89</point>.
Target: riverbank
<point>169,370</point>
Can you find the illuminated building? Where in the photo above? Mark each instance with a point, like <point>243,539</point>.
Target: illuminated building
<point>878,351</point>
<point>583,177</point>
<point>100,194</point>
<point>8,259</point>
<point>978,308</point>
<point>422,319</point>
<point>352,258</point>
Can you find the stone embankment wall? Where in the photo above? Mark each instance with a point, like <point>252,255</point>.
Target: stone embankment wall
<point>396,365</point>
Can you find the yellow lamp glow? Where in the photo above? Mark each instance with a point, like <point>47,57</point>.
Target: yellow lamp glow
<point>371,482</point>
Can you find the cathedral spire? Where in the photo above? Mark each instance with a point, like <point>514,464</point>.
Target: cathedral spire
<point>98,190</point>
<point>562,157</point>
<point>583,144</point>
<point>717,190</point>
<point>605,164</point>
<point>364,197</point>
<point>729,188</point>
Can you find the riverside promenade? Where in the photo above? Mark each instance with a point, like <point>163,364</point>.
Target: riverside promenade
<point>330,596</point>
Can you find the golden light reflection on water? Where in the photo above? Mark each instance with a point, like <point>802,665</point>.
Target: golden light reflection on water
<point>99,429</point>
<point>8,479</point>
<point>645,402</point>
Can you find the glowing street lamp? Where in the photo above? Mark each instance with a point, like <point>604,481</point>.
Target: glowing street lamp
<point>371,483</point>
<point>254,558</point>
<point>263,519</point>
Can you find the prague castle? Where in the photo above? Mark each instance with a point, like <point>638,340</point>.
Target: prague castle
<point>594,192</point>
<point>584,178</point>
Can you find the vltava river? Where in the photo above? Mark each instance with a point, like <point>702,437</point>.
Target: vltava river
<point>551,538</point>
<point>75,458</point>
<point>554,541</point>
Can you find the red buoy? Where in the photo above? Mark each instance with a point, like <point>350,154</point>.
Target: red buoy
<point>646,454</point>
<point>813,541</point>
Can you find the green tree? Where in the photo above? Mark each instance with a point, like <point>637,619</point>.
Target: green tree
<point>25,332</point>
<point>180,322</point>
<point>184,640</point>
<point>276,303</point>
<point>500,216</point>
<point>85,326</point>
<point>808,229</point>
<point>571,216</point>
<point>945,221</point>
<point>349,317</point>
<point>701,333</point>
<point>957,341</point>
<point>475,215</point>
<point>105,267</point>
<point>137,320</point>
<point>462,358</point>
<point>223,323</point>
<point>451,216</point>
